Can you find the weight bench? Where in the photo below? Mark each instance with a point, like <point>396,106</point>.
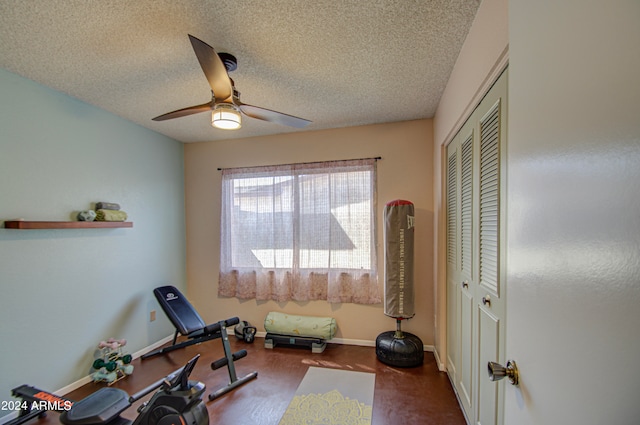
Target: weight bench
<point>188,323</point>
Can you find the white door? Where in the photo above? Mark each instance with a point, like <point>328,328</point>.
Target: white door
<point>460,264</point>
<point>573,213</point>
<point>490,291</point>
<point>475,268</point>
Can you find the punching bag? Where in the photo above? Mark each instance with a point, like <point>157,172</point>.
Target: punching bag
<point>398,257</point>
<point>400,349</point>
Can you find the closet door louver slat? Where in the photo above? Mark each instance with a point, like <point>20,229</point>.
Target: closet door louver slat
<point>489,198</point>
<point>466,205</point>
<point>451,209</point>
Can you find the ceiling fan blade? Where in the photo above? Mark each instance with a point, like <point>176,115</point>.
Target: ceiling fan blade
<point>213,69</point>
<point>185,111</point>
<point>271,116</point>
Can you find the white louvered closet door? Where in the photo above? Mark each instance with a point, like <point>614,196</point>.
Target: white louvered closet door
<point>475,290</point>
<point>466,277</point>
<point>453,290</point>
<point>460,277</point>
<point>460,251</point>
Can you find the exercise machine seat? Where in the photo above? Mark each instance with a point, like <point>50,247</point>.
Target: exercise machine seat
<point>179,310</point>
<point>186,320</point>
<point>97,408</point>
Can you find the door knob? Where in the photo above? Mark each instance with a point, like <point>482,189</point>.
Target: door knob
<point>497,372</point>
<point>465,284</point>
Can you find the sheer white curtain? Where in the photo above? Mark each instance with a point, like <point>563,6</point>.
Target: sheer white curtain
<point>300,232</point>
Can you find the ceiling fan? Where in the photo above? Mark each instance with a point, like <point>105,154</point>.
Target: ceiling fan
<point>225,99</point>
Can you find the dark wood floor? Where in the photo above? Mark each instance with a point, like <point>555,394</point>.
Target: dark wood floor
<point>421,395</point>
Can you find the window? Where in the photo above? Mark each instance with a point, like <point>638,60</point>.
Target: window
<point>300,232</point>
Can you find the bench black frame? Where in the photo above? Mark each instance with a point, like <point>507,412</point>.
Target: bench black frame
<point>189,323</point>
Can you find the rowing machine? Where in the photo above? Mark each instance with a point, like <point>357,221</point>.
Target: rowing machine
<point>177,401</point>
<point>36,402</point>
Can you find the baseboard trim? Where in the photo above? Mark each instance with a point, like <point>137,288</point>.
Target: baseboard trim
<point>75,385</point>
<point>455,391</point>
<point>368,343</point>
<point>152,347</point>
<point>349,341</point>
<point>441,366</point>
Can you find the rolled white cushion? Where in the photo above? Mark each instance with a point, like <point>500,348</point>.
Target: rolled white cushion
<point>289,324</point>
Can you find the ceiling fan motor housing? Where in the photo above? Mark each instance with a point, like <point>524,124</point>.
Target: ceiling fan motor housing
<point>230,62</point>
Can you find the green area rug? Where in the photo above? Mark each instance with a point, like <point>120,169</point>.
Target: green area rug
<point>332,397</point>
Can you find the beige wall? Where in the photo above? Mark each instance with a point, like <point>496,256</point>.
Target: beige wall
<point>482,58</point>
<point>405,172</point>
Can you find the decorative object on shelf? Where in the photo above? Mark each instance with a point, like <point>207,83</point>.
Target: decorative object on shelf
<point>109,211</point>
<point>87,215</point>
<point>107,206</point>
<point>111,215</point>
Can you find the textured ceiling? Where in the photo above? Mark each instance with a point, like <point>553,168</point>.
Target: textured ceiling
<point>337,63</point>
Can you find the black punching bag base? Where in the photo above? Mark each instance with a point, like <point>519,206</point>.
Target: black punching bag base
<point>407,351</point>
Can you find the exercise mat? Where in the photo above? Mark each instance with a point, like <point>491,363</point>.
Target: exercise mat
<point>332,396</point>
<point>398,256</point>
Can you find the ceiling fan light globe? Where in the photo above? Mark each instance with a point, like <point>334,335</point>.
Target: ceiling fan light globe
<point>226,117</point>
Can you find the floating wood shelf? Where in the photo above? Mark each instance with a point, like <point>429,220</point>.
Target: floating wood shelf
<point>23,224</point>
